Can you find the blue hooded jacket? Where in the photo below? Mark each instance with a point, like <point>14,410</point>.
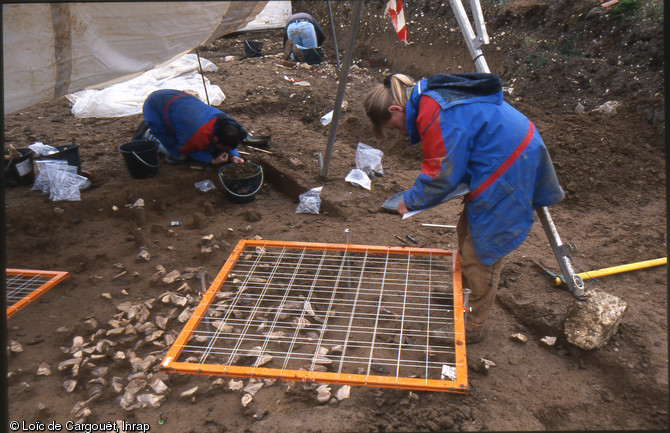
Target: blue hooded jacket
<point>470,135</point>
<point>184,124</point>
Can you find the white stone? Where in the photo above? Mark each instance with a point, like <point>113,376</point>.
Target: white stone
<point>590,323</point>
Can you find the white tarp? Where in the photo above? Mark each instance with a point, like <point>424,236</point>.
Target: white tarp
<point>54,49</point>
<point>274,16</point>
<point>127,98</point>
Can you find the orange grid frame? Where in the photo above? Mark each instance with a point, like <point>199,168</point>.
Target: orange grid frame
<point>32,283</point>
<point>455,382</point>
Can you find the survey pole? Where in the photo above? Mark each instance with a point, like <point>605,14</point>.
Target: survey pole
<point>332,30</point>
<point>344,75</point>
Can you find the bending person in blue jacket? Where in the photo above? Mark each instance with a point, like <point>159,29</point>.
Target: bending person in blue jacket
<point>471,136</point>
<point>185,127</point>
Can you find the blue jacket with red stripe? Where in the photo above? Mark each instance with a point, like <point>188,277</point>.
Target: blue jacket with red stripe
<point>470,135</point>
<point>184,124</point>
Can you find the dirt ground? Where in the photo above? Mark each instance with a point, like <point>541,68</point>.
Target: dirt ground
<point>559,60</point>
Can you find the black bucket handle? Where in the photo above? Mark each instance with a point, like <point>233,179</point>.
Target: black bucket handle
<point>243,195</point>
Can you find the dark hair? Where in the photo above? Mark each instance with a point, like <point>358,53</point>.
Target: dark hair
<point>229,135</point>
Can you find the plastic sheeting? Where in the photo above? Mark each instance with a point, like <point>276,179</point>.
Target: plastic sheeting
<point>127,98</point>
<point>55,49</point>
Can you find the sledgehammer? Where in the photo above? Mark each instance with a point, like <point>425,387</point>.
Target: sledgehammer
<point>558,280</point>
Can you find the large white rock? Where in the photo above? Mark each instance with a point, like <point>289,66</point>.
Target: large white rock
<point>590,323</point>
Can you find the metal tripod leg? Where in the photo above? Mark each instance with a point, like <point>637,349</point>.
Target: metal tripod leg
<point>562,252</point>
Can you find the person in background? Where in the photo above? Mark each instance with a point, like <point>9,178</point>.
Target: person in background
<point>302,37</point>
<point>471,136</point>
<point>185,127</point>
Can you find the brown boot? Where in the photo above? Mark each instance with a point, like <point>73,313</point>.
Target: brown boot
<point>474,337</point>
<point>289,47</point>
<point>297,54</point>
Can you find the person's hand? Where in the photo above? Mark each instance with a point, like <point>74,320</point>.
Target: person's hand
<point>220,159</point>
<point>237,159</point>
<point>402,209</point>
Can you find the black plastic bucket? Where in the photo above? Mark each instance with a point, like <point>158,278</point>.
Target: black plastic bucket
<point>141,157</point>
<point>253,48</point>
<point>312,56</point>
<point>241,189</point>
<point>66,152</point>
<point>20,170</point>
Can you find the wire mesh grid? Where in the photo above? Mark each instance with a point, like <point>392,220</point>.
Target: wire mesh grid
<point>23,286</point>
<point>330,313</point>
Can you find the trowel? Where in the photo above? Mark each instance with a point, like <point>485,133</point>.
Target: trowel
<point>391,204</point>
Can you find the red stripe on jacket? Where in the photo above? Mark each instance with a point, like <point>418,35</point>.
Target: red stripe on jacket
<point>505,165</point>
<point>165,111</point>
<point>201,139</point>
<point>428,125</point>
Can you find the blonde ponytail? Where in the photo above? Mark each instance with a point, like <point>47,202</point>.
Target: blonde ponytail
<point>395,91</point>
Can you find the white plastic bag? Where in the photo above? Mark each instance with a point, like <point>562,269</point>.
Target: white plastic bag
<point>310,201</point>
<point>42,149</point>
<point>369,160</point>
<point>358,177</point>
<point>205,185</point>
<point>44,169</point>
<point>65,185</point>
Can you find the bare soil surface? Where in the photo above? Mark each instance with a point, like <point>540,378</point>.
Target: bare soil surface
<point>560,60</point>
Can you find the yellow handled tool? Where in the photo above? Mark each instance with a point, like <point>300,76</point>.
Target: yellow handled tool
<point>616,269</point>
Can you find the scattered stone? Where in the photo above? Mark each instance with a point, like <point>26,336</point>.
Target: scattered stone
<point>100,371</point>
<point>518,337</point>
<point>161,322</point>
<point>253,387</point>
<point>171,277</point>
<point>321,360</point>
<point>323,393</point>
<point>151,400</point>
<point>218,383</point>
<point>159,386</point>
<point>106,295</point>
<point>343,393</point>
<point>15,347</point>
<point>184,316</point>
<point>117,384</point>
<point>189,392</point>
<point>260,414</point>
<point>144,254</point>
<point>43,369</point>
<point>549,341</point>
<point>481,366</point>
<point>235,385</point>
<point>246,399</point>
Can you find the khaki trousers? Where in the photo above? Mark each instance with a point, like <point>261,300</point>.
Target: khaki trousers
<point>480,279</point>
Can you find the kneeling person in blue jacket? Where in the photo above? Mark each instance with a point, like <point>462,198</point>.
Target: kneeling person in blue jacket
<point>185,127</point>
<point>471,136</point>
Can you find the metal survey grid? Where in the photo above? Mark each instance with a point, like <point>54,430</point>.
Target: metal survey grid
<point>331,313</point>
<point>25,285</point>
